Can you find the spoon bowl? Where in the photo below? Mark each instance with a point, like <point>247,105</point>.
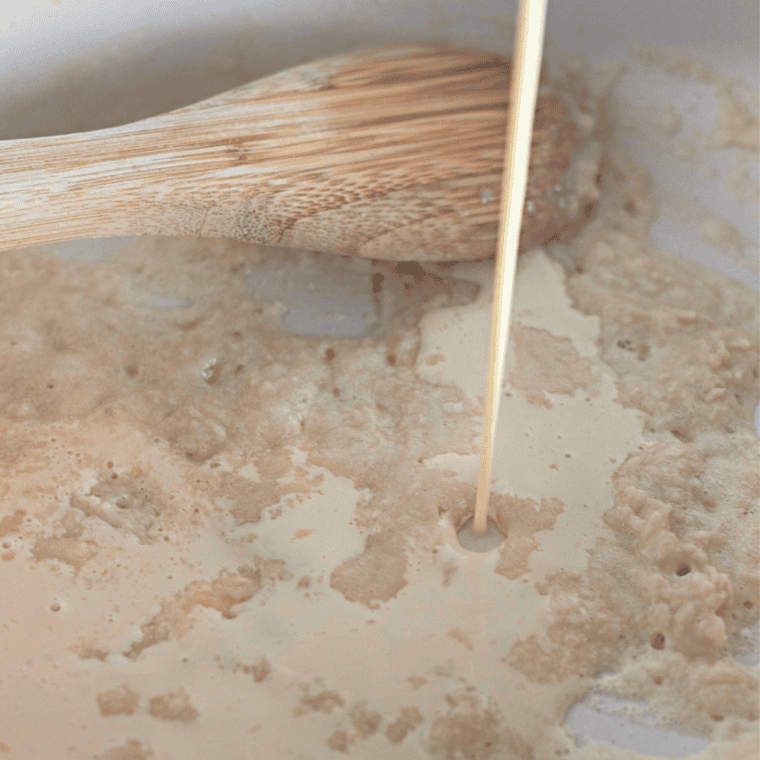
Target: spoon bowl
<point>392,153</point>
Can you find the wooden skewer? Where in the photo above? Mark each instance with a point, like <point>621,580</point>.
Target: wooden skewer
<point>524,86</point>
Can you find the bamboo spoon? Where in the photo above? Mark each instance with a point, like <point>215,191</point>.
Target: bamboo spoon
<point>391,153</point>
<point>529,38</point>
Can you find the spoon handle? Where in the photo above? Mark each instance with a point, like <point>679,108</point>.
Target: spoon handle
<point>390,153</point>
<point>196,171</point>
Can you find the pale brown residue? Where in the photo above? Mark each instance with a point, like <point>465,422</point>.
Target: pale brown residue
<point>545,364</point>
<point>174,619</point>
<point>521,520</point>
<point>119,701</point>
<point>377,574</point>
<point>174,705</point>
<point>459,635</point>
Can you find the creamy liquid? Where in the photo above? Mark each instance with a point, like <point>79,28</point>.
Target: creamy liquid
<point>219,539</point>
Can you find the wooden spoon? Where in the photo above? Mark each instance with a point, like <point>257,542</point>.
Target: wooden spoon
<point>392,153</point>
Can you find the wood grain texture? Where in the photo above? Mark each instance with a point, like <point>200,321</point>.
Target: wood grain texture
<point>523,95</point>
<point>393,153</point>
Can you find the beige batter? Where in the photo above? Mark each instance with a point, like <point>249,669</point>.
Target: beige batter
<point>222,540</point>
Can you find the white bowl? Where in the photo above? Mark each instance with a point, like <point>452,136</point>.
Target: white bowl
<point>73,65</point>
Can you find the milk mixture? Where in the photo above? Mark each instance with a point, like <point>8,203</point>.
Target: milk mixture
<point>222,539</point>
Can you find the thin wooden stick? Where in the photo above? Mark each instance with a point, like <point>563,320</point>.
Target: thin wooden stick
<point>524,86</point>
